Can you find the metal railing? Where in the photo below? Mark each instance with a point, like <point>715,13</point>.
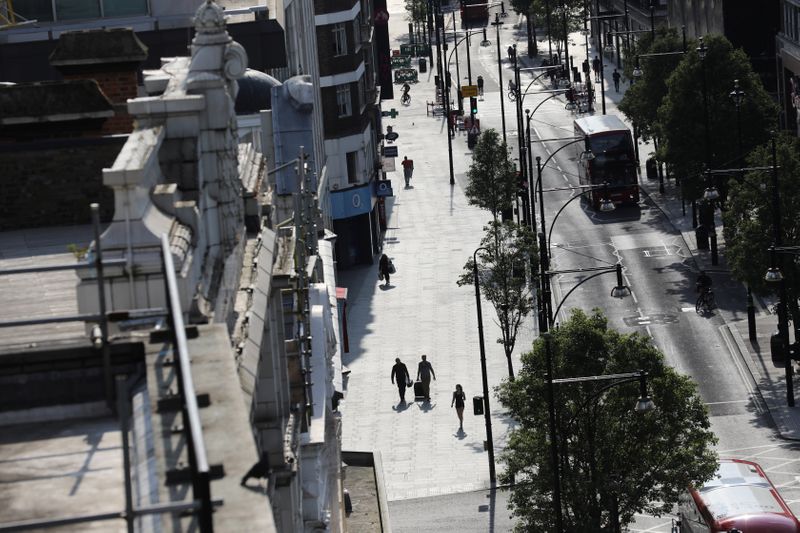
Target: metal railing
<point>201,505</point>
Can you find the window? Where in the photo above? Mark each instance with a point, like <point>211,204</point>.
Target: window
<point>339,40</point>
<point>352,167</point>
<point>343,100</point>
<point>42,10</point>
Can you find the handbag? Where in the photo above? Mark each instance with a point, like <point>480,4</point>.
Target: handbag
<point>392,270</point>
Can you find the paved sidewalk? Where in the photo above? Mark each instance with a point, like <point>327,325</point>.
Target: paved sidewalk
<point>431,233</point>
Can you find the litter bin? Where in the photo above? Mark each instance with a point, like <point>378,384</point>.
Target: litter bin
<point>477,405</point>
<point>472,140</point>
<point>701,234</point>
<point>777,349</point>
<point>651,167</point>
<point>423,65</point>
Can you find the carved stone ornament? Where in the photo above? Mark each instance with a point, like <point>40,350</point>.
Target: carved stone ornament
<point>235,61</point>
<point>209,18</point>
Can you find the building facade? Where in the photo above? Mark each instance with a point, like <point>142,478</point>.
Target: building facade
<point>787,42</point>
<point>351,123</point>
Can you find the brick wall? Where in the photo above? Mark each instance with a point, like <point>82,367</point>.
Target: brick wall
<point>118,85</point>
<point>53,183</point>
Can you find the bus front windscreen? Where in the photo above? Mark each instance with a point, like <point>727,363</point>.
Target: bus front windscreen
<point>613,159</point>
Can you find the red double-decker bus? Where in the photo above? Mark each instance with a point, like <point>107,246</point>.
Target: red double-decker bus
<point>474,10</point>
<point>740,497</point>
<point>613,162</point>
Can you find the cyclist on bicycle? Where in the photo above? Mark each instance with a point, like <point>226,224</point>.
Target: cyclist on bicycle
<point>703,283</point>
<point>405,97</point>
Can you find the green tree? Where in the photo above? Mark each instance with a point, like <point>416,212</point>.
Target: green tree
<point>491,178</point>
<point>642,99</point>
<point>639,462</point>
<point>749,219</point>
<point>417,14</point>
<point>681,116</point>
<point>507,249</point>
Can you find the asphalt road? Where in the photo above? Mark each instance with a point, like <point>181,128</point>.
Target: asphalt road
<point>660,270</point>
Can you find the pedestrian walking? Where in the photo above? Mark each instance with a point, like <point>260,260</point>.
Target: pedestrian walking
<point>617,76</point>
<point>459,398</point>
<point>510,52</point>
<point>586,69</point>
<point>408,170</point>
<point>596,69</point>
<point>425,373</point>
<point>480,85</point>
<point>400,373</point>
<point>385,268</point>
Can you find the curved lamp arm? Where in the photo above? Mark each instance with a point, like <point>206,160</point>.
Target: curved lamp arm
<point>523,93</point>
<point>553,222</point>
<point>616,269</point>
<point>453,51</point>
<point>539,178</point>
<point>620,379</point>
<point>546,99</point>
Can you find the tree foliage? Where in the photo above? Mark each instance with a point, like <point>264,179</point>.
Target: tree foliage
<point>491,178</point>
<point>681,116</point>
<point>507,250</point>
<point>417,10</point>
<point>749,218</point>
<point>641,461</point>
<point>642,99</point>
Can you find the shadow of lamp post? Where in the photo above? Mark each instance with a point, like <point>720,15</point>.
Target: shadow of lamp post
<point>489,445</point>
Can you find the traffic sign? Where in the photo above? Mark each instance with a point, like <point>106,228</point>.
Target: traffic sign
<point>390,151</point>
<point>391,113</point>
<point>392,136</point>
<point>469,90</point>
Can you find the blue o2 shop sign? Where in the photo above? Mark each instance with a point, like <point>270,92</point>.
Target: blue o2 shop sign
<point>353,202</point>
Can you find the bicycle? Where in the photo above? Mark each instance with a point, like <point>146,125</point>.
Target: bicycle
<point>705,302</point>
<point>405,99</point>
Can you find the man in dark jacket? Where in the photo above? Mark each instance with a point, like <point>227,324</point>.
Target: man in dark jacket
<point>400,373</point>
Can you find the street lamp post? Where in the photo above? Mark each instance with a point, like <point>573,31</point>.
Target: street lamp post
<point>439,25</point>
<point>551,414</point>
<point>643,404</point>
<point>458,72</point>
<point>712,230</point>
<point>544,260</point>
<point>497,25</point>
<point>549,32</point>
<point>774,275</point>
<point>486,414</point>
<point>520,133</point>
<point>738,95</point>
<point>783,321</point>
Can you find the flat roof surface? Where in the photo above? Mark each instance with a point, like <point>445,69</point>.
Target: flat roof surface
<point>62,469</point>
<point>46,294</point>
